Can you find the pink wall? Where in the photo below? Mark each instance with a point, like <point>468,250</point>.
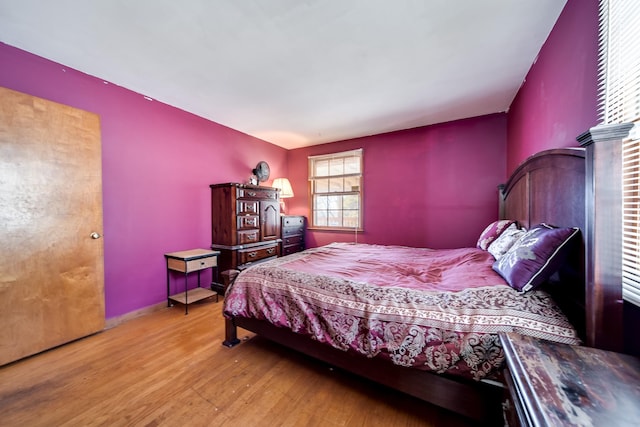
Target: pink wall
<point>158,162</point>
<point>558,100</point>
<point>448,202</point>
<point>434,186</point>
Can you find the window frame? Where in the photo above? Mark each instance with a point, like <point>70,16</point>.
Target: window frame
<point>619,102</point>
<point>313,179</point>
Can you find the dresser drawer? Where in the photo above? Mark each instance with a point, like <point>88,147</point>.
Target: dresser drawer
<point>292,249</point>
<point>293,240</point>
<point>247,207</point>
<point>290,231</point>
<point>255,254</point>
<point>247,222</point>
<point>293,221</point>
<point>248,236</point>
<point>257,193</point>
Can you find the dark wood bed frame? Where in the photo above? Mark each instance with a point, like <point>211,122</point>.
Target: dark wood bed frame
<point>548,187</point>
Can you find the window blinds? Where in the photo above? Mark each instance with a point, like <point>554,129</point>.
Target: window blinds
<point>631,220</point>
<point>619,94</point>
<point>619,61</point>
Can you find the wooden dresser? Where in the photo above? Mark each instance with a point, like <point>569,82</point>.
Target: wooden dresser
<point>293,229</point>
<point>245,224</point>
<point>552,384</point>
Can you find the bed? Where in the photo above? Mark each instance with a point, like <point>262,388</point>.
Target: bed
<point>425,321</point>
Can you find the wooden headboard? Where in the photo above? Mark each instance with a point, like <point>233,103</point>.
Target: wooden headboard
<point>550,187</point>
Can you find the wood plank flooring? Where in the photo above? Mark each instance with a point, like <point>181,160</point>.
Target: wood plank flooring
<point>168,369</point>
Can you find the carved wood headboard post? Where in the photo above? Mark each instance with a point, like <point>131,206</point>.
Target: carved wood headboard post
<point>604,235</point>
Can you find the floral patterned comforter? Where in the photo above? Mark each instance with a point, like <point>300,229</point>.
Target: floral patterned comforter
<point>438,310</point>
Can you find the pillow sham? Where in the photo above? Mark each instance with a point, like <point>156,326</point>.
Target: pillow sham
<point>503,243</point>
<point>535,256</point>
<point>492,232</point>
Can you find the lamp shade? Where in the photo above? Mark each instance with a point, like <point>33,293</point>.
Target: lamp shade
<point>285,187</point>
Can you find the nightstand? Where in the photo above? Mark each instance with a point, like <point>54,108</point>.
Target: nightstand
<point>552,384</point>
<point>193,260</point>
<point>292,229</point>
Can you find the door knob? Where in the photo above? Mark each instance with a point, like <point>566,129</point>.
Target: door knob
<point>95,235</point>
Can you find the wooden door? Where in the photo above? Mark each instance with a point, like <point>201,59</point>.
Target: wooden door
<point>270,220</point>
<point>51,262</point>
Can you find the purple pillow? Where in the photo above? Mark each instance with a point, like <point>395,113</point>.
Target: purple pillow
<point>535,257</point>
<point>492,232</point>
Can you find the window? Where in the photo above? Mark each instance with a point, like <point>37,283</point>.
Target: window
<point>620,103</point>
<point>336,190</point>
<point>619,60</point>
<point>631,220</point>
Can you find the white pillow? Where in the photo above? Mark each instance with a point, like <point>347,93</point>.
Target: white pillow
<point>503,243</point>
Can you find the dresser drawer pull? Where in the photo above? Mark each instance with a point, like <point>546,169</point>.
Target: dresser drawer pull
<point>252,254</point>
<point>251,193</point>
<point>271,250</point>
<point>202,263</point>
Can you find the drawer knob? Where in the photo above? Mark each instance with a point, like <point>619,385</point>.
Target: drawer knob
<point>271,250</point>
<point>253,254</point>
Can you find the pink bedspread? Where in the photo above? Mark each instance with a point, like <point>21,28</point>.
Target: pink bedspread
<point>437,310</point>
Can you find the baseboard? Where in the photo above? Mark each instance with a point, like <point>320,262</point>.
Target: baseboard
<point>115,321</point>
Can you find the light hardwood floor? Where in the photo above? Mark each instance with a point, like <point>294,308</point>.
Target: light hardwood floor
<point>168,369</point>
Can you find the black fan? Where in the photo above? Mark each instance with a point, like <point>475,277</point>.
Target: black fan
<point>262,171</point>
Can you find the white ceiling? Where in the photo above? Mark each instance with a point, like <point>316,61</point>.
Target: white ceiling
<point>297,72</point>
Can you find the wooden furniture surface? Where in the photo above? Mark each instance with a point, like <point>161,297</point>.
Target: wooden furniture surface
<point>245,224</point>
<point>189,261</point>
<point>293,230</point>
<point>550,187</point>
<point>604,225</point>
<point>51,251</point>
<point>536,192</point>
<point>552,384</point>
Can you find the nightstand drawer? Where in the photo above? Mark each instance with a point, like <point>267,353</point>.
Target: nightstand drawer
<point>193,260</point>
<point>192,265</point>
<point>256,254</point>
